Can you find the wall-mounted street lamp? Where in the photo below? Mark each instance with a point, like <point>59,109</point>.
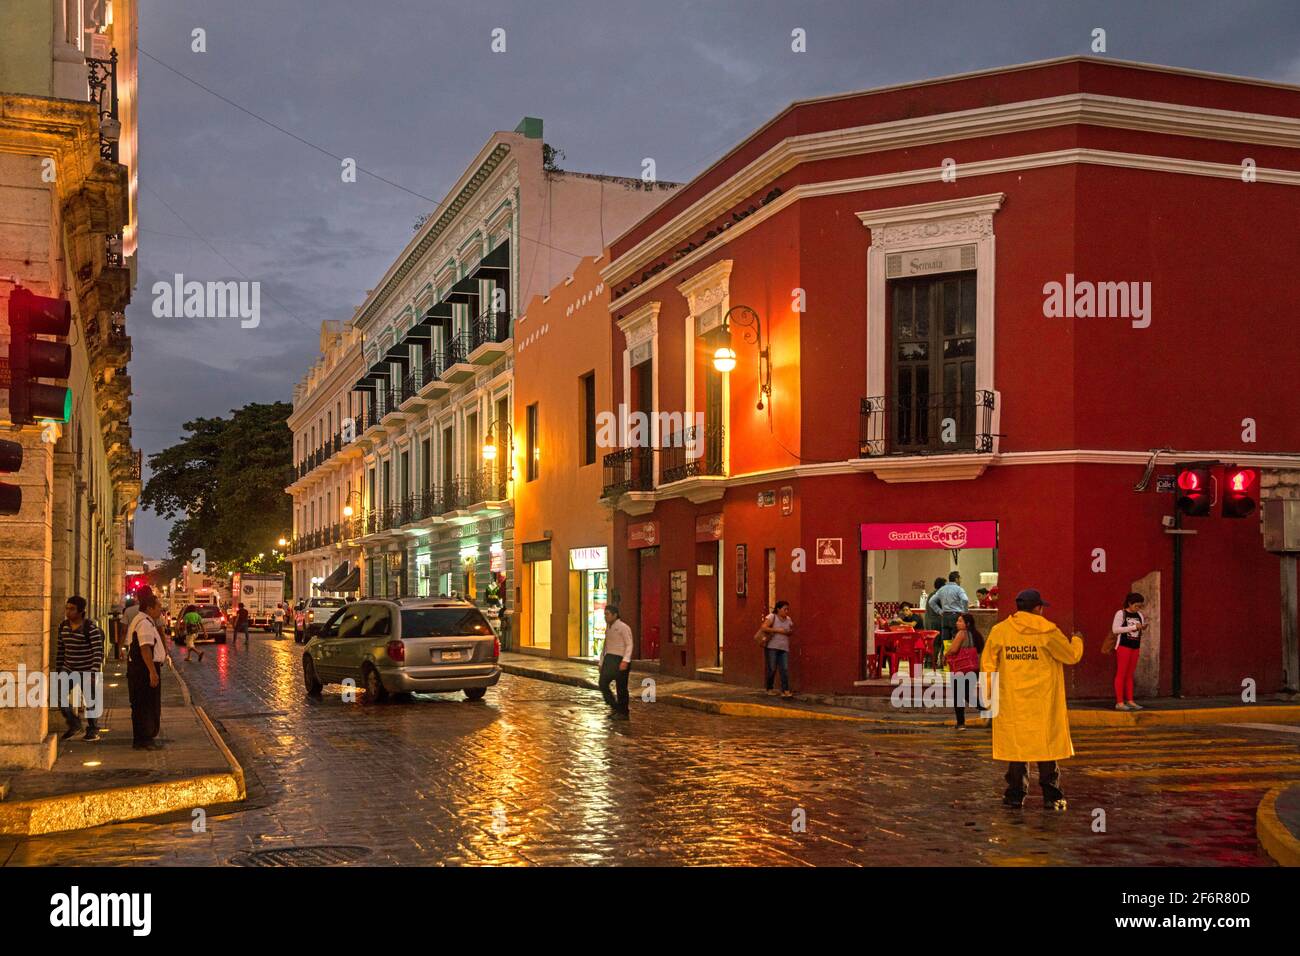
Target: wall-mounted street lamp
<point>490,446</point>
<point>724,359</point>
<point>282,542</point>
<point>347,507</point>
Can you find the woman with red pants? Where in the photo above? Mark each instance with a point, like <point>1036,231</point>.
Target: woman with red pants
<point>1127,627</point>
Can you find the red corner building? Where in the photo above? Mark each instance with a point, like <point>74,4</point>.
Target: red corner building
<point>963,313</point>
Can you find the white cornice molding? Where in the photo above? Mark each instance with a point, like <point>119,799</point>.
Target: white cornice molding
<point>1164,164</point>
<point>714,277</point>
<point>1086,109</point>
<point>925,212</point>
<point>640,324</point>
<point>957,467</point>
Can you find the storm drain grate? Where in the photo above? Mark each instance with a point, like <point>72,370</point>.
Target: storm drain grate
<point>303,856</point>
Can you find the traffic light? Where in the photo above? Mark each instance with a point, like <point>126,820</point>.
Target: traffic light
<point>1195,488</point>
<point>1240,492</point>
<point>11,459</point>
<point>31,358</point>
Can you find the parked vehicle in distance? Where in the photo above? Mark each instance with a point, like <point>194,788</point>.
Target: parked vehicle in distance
<point>403,646</point>
<point>259,593</point>
<point>214,624</point>
<point>315,612</point>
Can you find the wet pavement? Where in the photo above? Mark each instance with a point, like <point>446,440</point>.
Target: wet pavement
<point>538,774</point>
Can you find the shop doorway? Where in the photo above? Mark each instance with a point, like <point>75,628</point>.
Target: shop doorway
<point>900,574</point>
<point>594,597</point>
<point>708,606</point>
<point>539,595</point>
<point>648,578</point>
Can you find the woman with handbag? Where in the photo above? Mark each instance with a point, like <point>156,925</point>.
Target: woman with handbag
<point>777,628</point>
<point>964,659</point>
<point>1126,638</point>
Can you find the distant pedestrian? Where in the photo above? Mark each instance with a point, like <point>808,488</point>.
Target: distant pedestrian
<point>948,602</point>
<point>241,622</point>
<point>144,674</point>
<point>778,626</point>
<point>964,662</point>
<point>1025,655</point>
<point>1127,628</point>
<point>193,624</point>
<point>616,663</point>
<point>277,621</point>
<point>79,662</point>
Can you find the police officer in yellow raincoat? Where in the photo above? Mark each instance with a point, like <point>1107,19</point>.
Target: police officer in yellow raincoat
<point>1027,652</point>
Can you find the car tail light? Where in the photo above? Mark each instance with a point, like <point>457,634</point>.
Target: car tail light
<point>309,616</point>
<point>396,650</point>
<point>496,648</point>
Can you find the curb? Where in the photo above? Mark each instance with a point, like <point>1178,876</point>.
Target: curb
<point>1079,717</point>
<point>1257,713</point>
<point>92,808</point>
<point>1274,835</point>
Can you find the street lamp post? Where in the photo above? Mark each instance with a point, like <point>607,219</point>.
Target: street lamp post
<point>490,447</point>
<point>724,359</point>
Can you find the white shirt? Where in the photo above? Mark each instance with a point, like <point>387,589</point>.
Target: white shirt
<point>618,640</point>
<point>146,635</point>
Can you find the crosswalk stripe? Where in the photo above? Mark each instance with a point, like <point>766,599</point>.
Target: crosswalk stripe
<point>1197,771</point>
<point>1224,785</point>
<point>1284,728</point>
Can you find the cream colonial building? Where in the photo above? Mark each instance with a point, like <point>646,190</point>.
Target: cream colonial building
<point>393,493</point>
<point>68,166</point>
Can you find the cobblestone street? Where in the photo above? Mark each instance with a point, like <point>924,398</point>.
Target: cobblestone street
<point>537,774</point>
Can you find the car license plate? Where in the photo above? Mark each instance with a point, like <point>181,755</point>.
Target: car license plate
<point>451,656</point>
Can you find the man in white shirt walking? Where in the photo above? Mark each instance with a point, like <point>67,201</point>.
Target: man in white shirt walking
<point>616,663</point>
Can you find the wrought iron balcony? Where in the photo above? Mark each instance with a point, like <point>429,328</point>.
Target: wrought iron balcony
<point>941,423</point>
<point>629,469</point>
<point>101,81</point>
<point>489,327</point>
<point>690,453</point>
<point>457,350</point>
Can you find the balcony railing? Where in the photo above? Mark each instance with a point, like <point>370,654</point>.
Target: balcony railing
<point>101,81</point>
<point>489,327</point>
<point>928,424</point>
<point>629,469</point>
<point>457,350</point>
<point>692,453</point>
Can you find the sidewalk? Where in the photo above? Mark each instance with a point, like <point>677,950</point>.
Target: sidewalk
<point>1277,824</point>
<point>95,783</point>
<point>734,700</point>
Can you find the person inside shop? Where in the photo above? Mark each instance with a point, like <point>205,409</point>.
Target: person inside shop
<point>947,602</point>
<point>981,597</point>
<point>1025,657</point>
<point>1127,628</point>
<point>909,616</point>
<point>933,620</point>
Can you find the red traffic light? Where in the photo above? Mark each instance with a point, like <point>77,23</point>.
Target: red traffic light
<point>1241,494</point>
<point>1195,484</point>
<point>31,358</point>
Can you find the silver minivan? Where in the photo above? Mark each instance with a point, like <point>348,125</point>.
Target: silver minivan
<point>421,645</point>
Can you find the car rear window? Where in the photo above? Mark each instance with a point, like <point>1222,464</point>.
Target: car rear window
<point>444,622</point>
<point>209,611</point>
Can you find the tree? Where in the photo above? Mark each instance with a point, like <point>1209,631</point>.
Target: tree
<point>223,485</point>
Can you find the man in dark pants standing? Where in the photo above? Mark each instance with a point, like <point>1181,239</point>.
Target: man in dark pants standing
<point>616,662</point>
<point>144,681</point>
